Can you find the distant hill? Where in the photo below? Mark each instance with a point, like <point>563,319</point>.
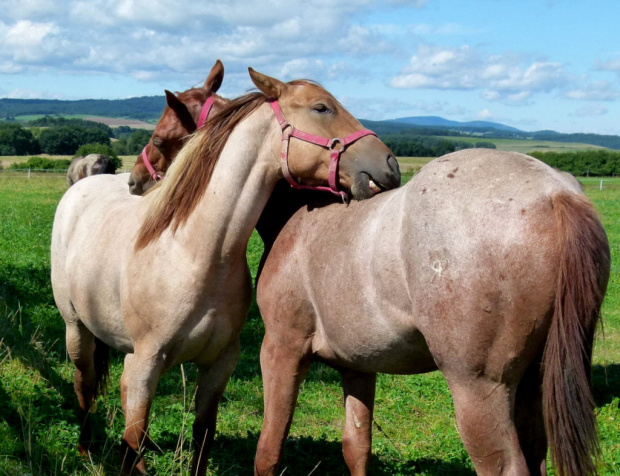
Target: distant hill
<point>436,121</point>
<point>149,108</point>
<point>142,108</point>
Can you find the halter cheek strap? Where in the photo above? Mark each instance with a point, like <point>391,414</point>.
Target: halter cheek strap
<point>204,115</point>
<point>289,131</point>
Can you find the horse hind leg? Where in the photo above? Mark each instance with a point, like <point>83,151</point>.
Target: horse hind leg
<point>530,422</point>
<point>484,416</point>
<point>90,357</point>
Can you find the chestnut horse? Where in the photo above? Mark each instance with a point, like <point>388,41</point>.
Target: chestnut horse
<point>170,282</point>
<point>183,114</point>
<point>488,266</point>
<point>92,164</point>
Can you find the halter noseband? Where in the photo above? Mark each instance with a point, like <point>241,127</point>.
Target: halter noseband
<point>204,114</point>
<point>289,131</point>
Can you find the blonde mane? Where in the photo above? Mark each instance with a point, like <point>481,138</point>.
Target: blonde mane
<point>176,197</point>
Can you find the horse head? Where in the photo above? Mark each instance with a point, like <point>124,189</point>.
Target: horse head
<point>355,161</point>
<point>183,114</point>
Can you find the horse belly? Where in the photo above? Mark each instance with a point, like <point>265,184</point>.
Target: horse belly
<point>371,329</point>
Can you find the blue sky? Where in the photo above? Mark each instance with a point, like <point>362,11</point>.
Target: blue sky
<point>532,64</point>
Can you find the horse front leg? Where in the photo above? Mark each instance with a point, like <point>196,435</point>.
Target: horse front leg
<point>359,400</point>
<point>284,366</point>
<point>141,374</point>
<point>212,381</point>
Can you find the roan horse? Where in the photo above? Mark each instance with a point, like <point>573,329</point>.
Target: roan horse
<point>488,266</point>
<point>92,164</point>
<point>174,285</point>
<point>183,114</point>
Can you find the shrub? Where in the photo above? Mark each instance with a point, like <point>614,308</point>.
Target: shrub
<point>42,163</point>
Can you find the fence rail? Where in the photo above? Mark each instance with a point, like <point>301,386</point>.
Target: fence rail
<point>588,183</point>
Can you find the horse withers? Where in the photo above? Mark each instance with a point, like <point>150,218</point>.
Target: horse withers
<point>488,266</point>
<point>170,282</point>
<point>92,164</point>
<point>183,114</point>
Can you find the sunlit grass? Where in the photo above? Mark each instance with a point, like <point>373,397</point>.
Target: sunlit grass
<point>415,431</point>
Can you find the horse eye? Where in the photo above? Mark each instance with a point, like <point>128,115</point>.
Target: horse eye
<point>157,142</point>
<point>321,109</point>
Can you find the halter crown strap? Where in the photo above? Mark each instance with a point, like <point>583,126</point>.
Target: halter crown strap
<point>289,131</point>
<point>204,115</point>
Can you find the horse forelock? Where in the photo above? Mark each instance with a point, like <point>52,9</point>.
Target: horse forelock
<point>174,199</point>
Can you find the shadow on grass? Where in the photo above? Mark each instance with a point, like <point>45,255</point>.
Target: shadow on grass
<point>305,455</point>
<point>606,383</point>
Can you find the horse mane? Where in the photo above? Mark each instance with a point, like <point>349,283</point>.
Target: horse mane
<point>176,197</point>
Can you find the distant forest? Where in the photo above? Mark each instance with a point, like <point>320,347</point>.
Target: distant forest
<point>60,136</point>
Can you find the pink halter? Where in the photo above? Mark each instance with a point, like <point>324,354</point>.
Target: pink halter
<point>334,157</point>
<point>204,114</point>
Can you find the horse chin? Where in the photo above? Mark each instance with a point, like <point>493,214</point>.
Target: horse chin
<point>365,187</point>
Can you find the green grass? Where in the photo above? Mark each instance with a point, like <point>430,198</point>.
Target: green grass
<point>415,431</point>
<point>526,145</point>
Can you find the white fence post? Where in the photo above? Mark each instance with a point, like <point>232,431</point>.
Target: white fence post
<point>601,186</point>
<point>28,174</point>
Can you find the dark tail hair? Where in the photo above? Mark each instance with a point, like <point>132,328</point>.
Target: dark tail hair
<point>568,404</point>
<point>102,366</point>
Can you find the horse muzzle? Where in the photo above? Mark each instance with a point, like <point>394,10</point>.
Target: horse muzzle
<point>373,177</point>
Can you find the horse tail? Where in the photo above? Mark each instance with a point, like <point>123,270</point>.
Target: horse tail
<point>102,366</point>
<point>568,403</point>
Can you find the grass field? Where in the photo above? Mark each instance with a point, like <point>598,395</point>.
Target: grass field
<point>527,145</point>
<point>415,431</point>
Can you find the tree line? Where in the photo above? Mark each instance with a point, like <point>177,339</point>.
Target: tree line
<point>583,163</point>
<point>405,145</point>
<point>60,136</point>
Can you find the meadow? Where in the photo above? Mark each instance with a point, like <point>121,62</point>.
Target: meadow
<point>414,428</point>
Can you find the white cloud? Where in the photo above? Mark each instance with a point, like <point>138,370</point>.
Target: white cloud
<point>32,9</point>
<point>506,78</point>
<point>596,91</point>
<point>609,65</point>
<point>591,110</point>
<point>485,115</point>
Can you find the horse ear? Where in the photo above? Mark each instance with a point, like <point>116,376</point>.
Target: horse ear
<point>272,87</point>
<point>215,78</point>
<point>181,111</point>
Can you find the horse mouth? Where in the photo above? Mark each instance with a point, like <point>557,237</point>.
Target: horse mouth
<point>374,188</point>
<point>366,187</point>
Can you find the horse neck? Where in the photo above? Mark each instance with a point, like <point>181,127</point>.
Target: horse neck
<point>242,181</point>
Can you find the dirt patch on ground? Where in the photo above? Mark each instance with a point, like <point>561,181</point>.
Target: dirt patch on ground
<point>115,122</point>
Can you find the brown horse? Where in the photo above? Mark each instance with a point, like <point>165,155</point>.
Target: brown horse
<point>488,266</point>
<point>92,164</point>
<point>170,282</point>
<point>183,114</point>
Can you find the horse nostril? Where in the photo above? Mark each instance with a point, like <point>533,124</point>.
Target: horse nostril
<point>133,186</point>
